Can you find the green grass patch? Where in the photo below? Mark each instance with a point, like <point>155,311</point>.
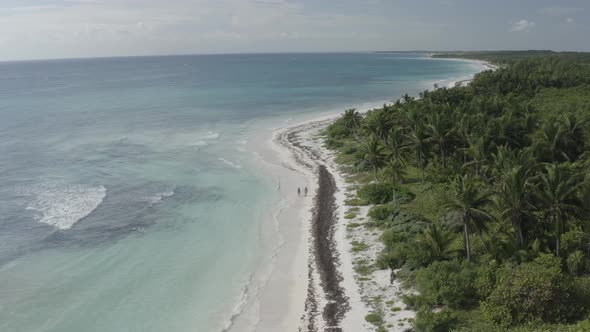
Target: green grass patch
<point>359,246</point>
<point>374,318</point>
<point>363,267</point>
<point>356,202</point>
<point>350,216</point>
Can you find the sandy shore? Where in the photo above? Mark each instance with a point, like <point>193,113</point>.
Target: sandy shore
<point>311,282</point>
<point>337,297</point>
<point>333,301</point>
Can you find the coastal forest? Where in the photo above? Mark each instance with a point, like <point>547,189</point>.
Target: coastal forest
<point>482,194</point>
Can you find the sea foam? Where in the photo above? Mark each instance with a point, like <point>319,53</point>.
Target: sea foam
<point>229,163</point>
<point>160,196</point>
<point>63,205</point>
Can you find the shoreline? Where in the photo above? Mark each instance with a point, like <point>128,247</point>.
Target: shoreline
<point>310,282</point>
<point>332,294</point>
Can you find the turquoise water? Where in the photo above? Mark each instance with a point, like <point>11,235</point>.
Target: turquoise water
<point>128,198</point>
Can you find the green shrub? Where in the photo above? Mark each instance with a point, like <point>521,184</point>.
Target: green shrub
<point>410,224</point>
<point>443,321</point>
<point>414,301</point>
<point>363,267</point>
<point>392,237</point>
<point>416,256</point>
<point>533,292</point>
<point>401,249</point>
<point>576,262</point>
<point>572,241</point>
<point>353,225</point>
<point>486,279</point>
<point>380,193</point>
<point>582,326</point>
<point>338,129</point>
<point>374,318</point>
<point>356,202</point>
<point>382,212</point>
<point>581,291</point>
<point>450,283</point>
<point>333,143</point>
<point>390,259</point>
<point>349,149</point>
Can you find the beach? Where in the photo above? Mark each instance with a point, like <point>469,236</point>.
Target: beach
<point>311,282</point>
<point>306,288</point>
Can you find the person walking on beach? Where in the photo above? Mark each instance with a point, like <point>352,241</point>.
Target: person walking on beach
<point>305,191</point>
<point>298,191</point>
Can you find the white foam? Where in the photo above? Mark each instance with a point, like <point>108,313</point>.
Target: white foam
<point>205,140</point>
<point>210,135</point>
<point>229,163</point>
<point>160,196</point>
<point>239,307</point>
<point>63,205</point>
<point>200,143</point>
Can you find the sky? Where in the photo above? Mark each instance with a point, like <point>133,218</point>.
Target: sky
<point>41,29</point>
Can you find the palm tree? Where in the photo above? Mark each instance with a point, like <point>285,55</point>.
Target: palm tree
<point>464,124</point>
<point>469,200</point>
<point>418,143</point>
<point>396,144</point>
<point>377,123</point>
<point>440,132</point>
<point>373,153</point>
<point>550,141</point>
<point>575,136</point>
<point>514,197</point>
<point>352,120</point>
<point>585,195</point>
<point>503,131</point>
<point>394,170</point>
<point>478,154</point>
<point>557,193</point>
<point>438,241</point>
<point>407,99</point>
<point>412,116</point>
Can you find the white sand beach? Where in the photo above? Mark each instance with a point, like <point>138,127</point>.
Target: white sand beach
<point>294,292</point>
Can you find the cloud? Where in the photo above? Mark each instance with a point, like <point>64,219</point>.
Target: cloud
<point>569,20</point>
<point>523,25</point>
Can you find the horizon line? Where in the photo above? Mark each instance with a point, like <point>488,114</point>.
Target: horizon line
<point>273,53</point>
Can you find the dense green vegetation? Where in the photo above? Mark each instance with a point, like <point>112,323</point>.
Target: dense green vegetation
<point>483,193</point>
<point>509,57</point>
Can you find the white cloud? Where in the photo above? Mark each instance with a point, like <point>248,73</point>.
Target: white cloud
<point>141,27</point>
<point>569,20</point>
<point>523,25</point>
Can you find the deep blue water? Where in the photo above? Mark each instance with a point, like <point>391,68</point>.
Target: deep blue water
<point>127,200</point>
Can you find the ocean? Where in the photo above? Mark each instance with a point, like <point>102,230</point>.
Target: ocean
<point>129,198</point>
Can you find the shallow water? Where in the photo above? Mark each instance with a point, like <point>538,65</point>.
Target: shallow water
<point>129,200</point>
